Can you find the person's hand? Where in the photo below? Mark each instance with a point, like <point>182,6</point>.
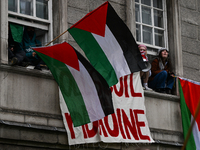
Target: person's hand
<point>12,49</point>
<point>172,74</point>
<point>33,54</point>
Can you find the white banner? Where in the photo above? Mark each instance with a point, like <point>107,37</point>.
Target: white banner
<point>128,123</point>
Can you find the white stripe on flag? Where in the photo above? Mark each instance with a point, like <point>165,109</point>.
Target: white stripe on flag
<point>88,91</point>
<point>196,134</point>
<point>114,53</point>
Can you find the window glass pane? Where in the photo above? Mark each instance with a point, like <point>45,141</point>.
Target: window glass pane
<point>151,50</point>
<point>137,13</point>
<point>12,5</point>
<point>146,2</point>
<point>157,4</point>
<point>137,1</point>
<point>159,37</point>
<point>158,18</point>
<point>26,7</point>
<point>147,35</point>
<point>146,15</point>
<point>138,33</point>
<point>42,9</point>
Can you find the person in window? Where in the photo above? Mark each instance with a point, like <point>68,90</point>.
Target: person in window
<point>144,75</point>
<point>16,55</point>
<point>161,80</point>
<point>29,41</point>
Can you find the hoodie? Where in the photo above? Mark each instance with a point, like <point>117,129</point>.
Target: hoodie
<point>28,43</point>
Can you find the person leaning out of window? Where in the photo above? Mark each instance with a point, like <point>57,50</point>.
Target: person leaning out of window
<point>162,79</point>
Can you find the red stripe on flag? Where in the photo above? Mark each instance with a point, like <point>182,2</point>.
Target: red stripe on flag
<point>95,21</point>
<point>62,52</point>
<point>191,92</point>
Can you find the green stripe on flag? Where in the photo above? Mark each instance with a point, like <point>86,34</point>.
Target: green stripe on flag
<point>102,65</point>
<point>186,120</point>
<point>69,89</point>
<point>17,32</point>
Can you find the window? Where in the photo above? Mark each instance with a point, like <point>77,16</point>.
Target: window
<point>151,25</point>
<point>33,13</point>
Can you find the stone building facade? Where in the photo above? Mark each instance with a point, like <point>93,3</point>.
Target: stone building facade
<point>30,116</point>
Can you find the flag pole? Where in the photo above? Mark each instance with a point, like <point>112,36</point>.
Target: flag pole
<point>57,37</point>
<point>191,126</point>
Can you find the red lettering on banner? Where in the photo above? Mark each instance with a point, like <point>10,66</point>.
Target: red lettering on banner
<point>102,128</point>
<point>131,126</point>
<point>93,131</point>
<point>115,131</point>
<point>126,128</point>
<point>120,92</point>
<point>123,87</point>
<point>70,125</point>
<point>140,124</point>
<point>120,123</point>
<point>132,89</point>
<point>126,86</point>
<point>84,132</point>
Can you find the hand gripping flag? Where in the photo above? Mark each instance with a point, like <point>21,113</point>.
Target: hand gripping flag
<point>86,93</point>
<point>189,99</point>
<point>107,43</point>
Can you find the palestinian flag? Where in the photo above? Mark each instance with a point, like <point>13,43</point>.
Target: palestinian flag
<point>107,43</point>
<point>86,93</point>
<point>190,97</point>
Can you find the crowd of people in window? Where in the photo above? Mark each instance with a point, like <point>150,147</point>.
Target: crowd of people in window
<point>159,77</point>
<point>21,53</point>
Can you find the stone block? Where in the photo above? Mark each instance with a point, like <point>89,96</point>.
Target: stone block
<point>78,4</point>
<point>190,45</point>
<point>8,132</point>
<point>199,33</point>
<point>36,136</point>
<point>122,2</point>
<point>163,114</point>
<point>189,30</point>
<point>35,120</point>
<point>62,139</point>
<point>74,15</point>
<point>189,16</point>
<point>191,4</point>
<point>191,73</point>
<point>191,60</point>
<point>29,93</point>
<point>55,123</point>
<point>5,116</point>
<point>198,3</point>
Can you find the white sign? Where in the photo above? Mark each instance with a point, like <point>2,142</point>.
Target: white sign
<point>128,124</point>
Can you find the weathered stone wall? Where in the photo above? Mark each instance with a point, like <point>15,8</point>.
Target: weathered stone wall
<point>190,25</point>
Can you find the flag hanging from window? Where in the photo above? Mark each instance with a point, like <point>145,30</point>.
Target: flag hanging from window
<point>107,43</point>
<point>17,32</point>
<point>189,99</point>
<point>86,93</point>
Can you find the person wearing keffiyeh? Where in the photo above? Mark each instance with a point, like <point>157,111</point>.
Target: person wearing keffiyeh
<point>162,79</point>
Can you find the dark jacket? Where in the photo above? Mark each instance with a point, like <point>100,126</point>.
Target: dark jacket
<point>155,69</point>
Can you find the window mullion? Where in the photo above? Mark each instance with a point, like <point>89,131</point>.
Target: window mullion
<point>34,8</point>
<point>141,26</point>
<point>165,23</point>
<point>152,16</point>
<point>18,6</point>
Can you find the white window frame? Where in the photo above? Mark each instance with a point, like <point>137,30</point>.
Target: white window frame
<point>33,21</point>
<point>153,46</point>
